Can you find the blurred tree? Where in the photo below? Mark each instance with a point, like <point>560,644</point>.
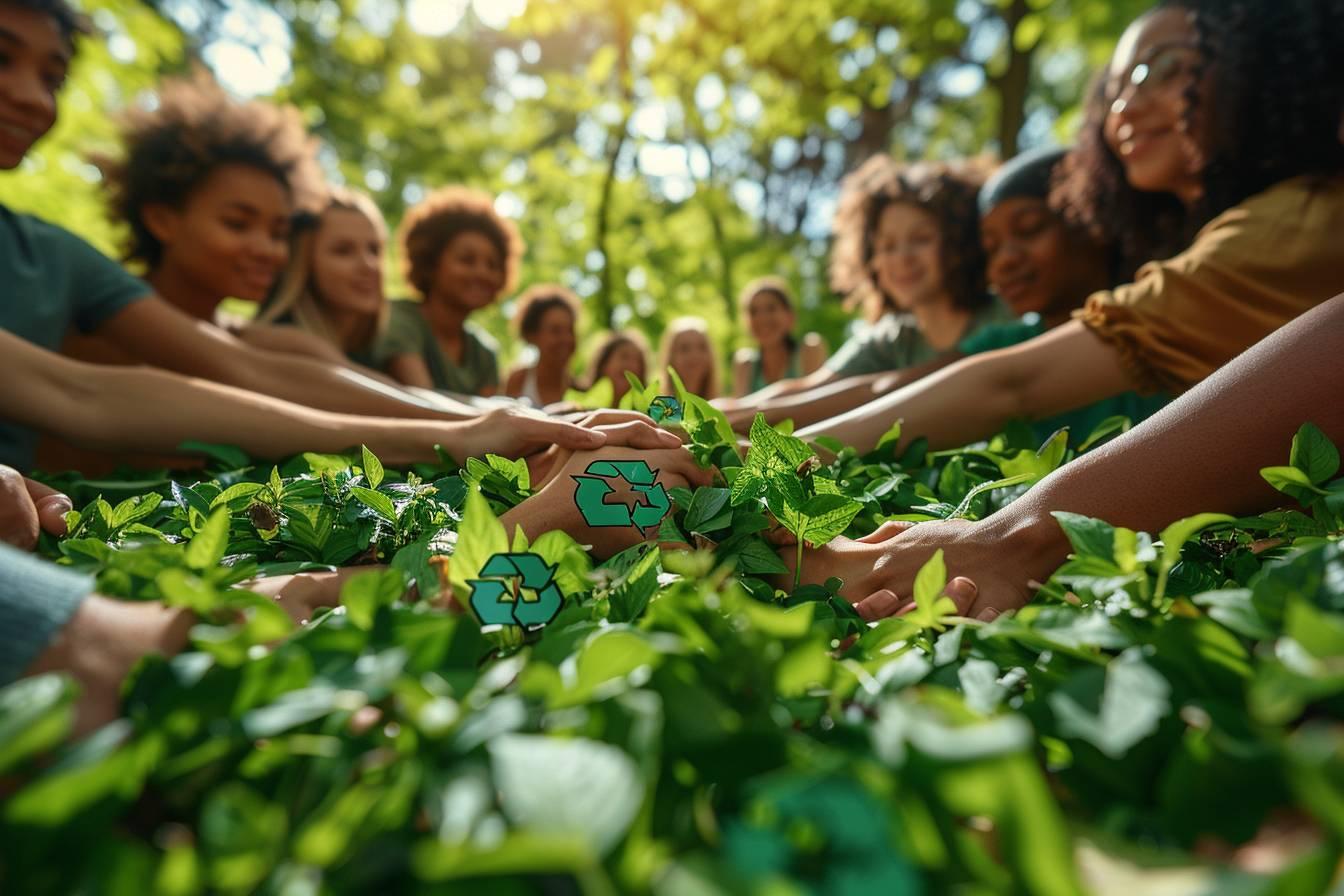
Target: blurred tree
<point>657,153</point>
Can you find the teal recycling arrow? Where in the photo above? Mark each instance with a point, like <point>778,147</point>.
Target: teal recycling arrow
<point>516,589</point>
<point>595,484</point>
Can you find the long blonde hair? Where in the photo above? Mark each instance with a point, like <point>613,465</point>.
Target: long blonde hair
<point>680,327</point>
<point>294,295</point>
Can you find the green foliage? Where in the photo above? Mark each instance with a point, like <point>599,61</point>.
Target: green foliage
<point>683,722</point>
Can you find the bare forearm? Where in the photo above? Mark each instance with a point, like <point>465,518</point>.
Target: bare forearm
<point>341,389</point>
<point>1203,453</point>
<point>821,403</point>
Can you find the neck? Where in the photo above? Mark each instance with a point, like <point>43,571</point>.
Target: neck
<point>351,328</point>
<point>552,369</point>
<point>942,323</point>
<point>180,291</point>
<point>447,319</point>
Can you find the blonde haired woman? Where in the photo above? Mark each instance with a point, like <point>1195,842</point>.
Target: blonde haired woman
<point>332,289</point>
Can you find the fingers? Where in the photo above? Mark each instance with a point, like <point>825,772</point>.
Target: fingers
<point>963,593</point>
<point>639,434</point>
<point>566,435</point>
<point>879,605</point>
<point>52,506</point>
<point>18,516</point>
<point>889,529</point>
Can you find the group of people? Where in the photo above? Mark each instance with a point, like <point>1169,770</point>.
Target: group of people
<point>1186,245</point>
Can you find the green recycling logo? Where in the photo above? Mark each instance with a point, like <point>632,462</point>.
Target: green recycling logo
<point>665,409</point>
<point>595,485</point>
<point>516,589</point>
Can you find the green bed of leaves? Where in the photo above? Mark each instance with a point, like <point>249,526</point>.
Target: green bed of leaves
<point>683,727</point>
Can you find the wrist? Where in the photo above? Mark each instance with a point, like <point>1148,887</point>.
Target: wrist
<point>1032,537</point>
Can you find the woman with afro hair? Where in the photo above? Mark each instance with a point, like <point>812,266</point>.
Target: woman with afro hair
<point>1216,127</point>
<point>907,252</point>
<point>460,256</point>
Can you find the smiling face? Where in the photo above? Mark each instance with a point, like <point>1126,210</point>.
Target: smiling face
<point>554,337</point>
<point>770,319</point>
<point>1148,126</point>
<point>348,262</point>
<point>230,238</point>
<point>1033,262</point>
<point>34,59</point>
<point>470,274</point>
<point>907,256</point>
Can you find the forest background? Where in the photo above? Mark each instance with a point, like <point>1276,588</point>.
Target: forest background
<point>656,154</point>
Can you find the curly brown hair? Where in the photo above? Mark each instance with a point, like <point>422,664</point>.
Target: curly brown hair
<point>536,300</point>
<point>69,21</point>
<point>1277,93</point>
<point>431,225</point>
<point>945,190</point>
<point>194,129</point>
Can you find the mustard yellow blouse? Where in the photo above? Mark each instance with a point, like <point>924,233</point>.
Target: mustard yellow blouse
<point>1248,272</point>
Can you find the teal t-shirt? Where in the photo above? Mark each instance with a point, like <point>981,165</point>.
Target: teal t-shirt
<point>408,333</point>
<point>50,279</point>
<point>895,342</point>
<point>37,599</point>
<point>1082,421</point>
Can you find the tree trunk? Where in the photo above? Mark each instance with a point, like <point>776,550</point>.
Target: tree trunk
<point>1013,84</point>
<point>606,301</point>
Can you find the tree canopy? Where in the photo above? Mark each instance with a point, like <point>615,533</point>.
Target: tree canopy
<point>657,154</point>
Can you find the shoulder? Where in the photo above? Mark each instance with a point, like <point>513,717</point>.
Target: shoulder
<point>513,383</point>
<point>1301,214</point>
<point>290,339</point>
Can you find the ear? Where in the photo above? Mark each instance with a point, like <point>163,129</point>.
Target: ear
<point>161,220</point>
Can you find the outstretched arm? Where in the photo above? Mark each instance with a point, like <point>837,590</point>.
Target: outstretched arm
<point>1202,453</point>
<point>161,335</point>
<point>143,409</point>
<point>1063,369</point>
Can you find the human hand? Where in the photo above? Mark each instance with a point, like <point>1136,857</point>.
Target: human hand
<point>993,569</point>
<point>102,642</point>
<point>554,507</point>
<point>623,429</point>
<point>28,508</point>
<point>301,594</point>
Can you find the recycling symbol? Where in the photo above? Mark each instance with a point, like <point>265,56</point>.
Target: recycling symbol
<point>594,486</point>
<point>665,409</point>
<point>516,589</point>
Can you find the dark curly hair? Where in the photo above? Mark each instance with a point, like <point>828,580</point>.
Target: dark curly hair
<point>1276,99</point>
<point>69,21</point>
<point>536,300</point>
<point>195,128</point>
<point>432,224</point>
<point>947,191</point>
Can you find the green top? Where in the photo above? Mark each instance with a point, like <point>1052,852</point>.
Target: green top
<point>37,599</point>
<point>408,333</point>
<point>52,279</point>
<point>895,343</point>
<point>1081,422</point>
<point>793,371</point>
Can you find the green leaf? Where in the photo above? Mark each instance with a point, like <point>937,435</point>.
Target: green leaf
<point>573,786</point>
<point>480,536</point>
<point>1134,698</point>
<point>362,595</point>
<point>931,608</point>
<point>1314,454</point>
<point>709,510</point>
<point>1292,482</point>
<point>36,714</point>
<point>373,468</point>
<point>207,547</point>
<point>378,502</point>
<point>1089,537</point>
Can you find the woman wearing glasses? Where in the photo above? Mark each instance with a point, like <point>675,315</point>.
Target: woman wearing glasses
<point>1200,137</point>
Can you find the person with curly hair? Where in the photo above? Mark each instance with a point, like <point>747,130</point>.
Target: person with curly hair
<point>768,306</point>
<point>547,319</point>
<point>907,251</point>
<point>329,300</point>
<point>686,348</point>
<point>460,256</point>
<point>1229,110</point>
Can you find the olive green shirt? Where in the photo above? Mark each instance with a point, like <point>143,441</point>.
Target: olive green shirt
<point>408,333</point>
<point>895,343</point>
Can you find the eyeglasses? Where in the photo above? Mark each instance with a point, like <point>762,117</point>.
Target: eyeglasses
<point>1163,68</point>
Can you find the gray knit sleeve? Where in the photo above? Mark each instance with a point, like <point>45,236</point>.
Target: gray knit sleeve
<point>37,598</point>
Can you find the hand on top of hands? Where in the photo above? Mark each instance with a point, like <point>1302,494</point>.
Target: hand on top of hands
<point>28,508</point>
